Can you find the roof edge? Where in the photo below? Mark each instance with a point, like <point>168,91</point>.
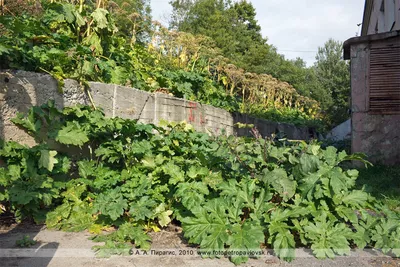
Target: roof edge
<point>366,39</point>
<point>367,16</point>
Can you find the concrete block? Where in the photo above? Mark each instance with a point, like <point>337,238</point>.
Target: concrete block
<point>72,94</point>
<point>377,136</point>
<point>359,77</point>
<point>131,103</point>
<point>103,96</point>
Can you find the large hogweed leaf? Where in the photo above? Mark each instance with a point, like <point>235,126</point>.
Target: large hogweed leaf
<point>246,192</point>
<point>208,227</point>
<point>386,235</point>
<point>246,239</point>
<point>175,173</point>
<point>143,208</point>
<point>163,215</point>
<point>229,188</point>
<point>279,180</point>
<point>356,198</point>
<point>75,214</point>
<point>364,230</point>
<point>112,151</point>
<point>262,204</point>
<point>31,123</point>
<point>47,159</point>
<point>328,237</point>
<point>72,134</point>
<point>192,194</point>
<point>282,240</point>
<point>111,203</point>
<point>308,164</point>
<point>100,17</point>
<point>280,231</point>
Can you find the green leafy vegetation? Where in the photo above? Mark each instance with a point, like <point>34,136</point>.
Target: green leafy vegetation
<point>228,193</point>
<point>25,242</point>
<point>115,42</point>
<point>334,77</point>
<point>382,182</point>
<point>232,25</point>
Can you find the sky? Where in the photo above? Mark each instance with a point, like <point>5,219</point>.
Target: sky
<point>297,27</point>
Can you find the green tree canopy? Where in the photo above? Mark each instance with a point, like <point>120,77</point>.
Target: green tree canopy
<point>232,26</point>
<point>133,18</point>
<point>235,30</point>
<point>334,77</point>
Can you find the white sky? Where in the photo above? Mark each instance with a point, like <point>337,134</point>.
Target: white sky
<point>297,27</point>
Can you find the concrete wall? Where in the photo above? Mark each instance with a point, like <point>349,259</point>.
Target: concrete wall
<point>378,136</point>
<point>19,90</point>
<point>340,132</point>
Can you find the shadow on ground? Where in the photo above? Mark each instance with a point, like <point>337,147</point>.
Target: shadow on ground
<point>25,254</point>
<point>383,182</point>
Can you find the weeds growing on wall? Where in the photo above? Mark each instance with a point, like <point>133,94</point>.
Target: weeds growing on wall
<point>227,193</point>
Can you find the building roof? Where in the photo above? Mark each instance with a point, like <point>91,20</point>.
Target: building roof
<point>366,39</point>
<point>367,16</point>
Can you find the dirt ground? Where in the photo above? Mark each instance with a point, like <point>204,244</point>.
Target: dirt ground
<point>58,249</point>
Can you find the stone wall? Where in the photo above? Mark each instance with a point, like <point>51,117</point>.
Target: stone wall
<point>19,90</point>
<point>340,132</point>
<point>378,136</point>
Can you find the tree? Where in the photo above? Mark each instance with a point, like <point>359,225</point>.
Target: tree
<point>133,18</point>
<point>19,7</point>
<point>334,77</point>
<point>235,30</point>
<point>232,26</point>
<point>180,11</point>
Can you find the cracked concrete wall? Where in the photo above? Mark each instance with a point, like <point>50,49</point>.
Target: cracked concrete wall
<point>19,90</point>
<point>377,136</point>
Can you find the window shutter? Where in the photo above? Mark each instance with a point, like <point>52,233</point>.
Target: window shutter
<point>384,80</point>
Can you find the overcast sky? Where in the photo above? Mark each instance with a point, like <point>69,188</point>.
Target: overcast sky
<point>297,27</point>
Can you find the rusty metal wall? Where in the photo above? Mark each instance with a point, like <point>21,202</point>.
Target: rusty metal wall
<point>384,78</point>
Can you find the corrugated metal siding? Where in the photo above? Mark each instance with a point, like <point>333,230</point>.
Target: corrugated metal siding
<point>384,81</point>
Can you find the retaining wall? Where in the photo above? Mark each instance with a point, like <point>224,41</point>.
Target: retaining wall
<point>19,90</point>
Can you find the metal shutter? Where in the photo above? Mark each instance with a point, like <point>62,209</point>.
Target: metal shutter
<point>384,80</point>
